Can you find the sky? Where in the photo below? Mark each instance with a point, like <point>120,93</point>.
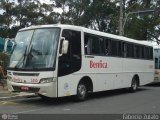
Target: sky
<point>1,11</point>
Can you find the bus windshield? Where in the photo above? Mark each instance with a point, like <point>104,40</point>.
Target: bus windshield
<point>35,49</point>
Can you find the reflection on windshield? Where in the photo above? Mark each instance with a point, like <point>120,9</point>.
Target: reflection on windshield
<point>41,50</point>
<point>22,41</point>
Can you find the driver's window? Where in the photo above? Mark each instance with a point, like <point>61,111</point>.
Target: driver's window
<point>70,62</point>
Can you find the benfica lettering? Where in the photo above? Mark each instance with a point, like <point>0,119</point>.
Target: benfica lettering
<point>99,64</point>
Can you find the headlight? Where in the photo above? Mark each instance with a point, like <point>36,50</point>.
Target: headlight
<point>47,80</point>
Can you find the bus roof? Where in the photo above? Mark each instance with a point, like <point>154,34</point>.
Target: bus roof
<point>156,47</point>
<point>79,28</point>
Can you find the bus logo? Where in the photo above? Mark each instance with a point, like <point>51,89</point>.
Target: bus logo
<point>99,64</point>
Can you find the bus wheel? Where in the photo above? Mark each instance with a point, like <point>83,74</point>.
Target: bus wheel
<point>134,85</point>
<point>81,92</point>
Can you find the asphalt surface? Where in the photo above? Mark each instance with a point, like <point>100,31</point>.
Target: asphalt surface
<point>145,100</point>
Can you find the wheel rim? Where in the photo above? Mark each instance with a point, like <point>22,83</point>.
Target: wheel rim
<point>82,91</point>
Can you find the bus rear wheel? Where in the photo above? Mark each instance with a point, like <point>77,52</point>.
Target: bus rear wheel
<point>134,85</point>
<point>81,92</point>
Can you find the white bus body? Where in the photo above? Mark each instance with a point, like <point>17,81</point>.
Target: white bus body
<point>157,64</point>
<point>95,61</point>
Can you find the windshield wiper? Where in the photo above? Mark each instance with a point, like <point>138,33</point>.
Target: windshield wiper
<point>14,46</point>
<point>22,59</point>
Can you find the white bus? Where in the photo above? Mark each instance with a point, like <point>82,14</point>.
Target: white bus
<point>64,60</point>
<point>157,64</point>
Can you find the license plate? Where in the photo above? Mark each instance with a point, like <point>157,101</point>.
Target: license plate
<point>25,88</point>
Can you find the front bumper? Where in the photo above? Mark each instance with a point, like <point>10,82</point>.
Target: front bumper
<point>46,89</point>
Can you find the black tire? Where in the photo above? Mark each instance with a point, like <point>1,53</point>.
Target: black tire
<point>81,92</point>
<point>134,85</point>
<point>44,97</point>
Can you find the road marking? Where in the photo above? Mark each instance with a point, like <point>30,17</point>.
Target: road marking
<point>30,110</point>
<point>10,103</point>
<point>3,103</point>
<point>67,109</point>
<point>7,103</point>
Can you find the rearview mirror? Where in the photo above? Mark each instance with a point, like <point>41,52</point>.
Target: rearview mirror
<point>64,46</point>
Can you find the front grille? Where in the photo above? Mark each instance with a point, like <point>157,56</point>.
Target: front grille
<point>25,74</point>
<point>31,89</point>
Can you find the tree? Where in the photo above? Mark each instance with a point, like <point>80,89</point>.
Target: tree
<point>24,14</point>
<point>96,14</point>
<point>27,13</point>
<point>47,14</point>
<point>76,10</point>
<point>6,18</point>
<point>7,15</point>
<point>143,26</point>
<point>102,15</point>
<point>63,4</point>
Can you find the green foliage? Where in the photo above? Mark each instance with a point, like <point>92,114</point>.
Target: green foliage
<point>102,15</point>
<point>144,26</point>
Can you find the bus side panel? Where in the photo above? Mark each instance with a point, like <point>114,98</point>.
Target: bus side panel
<point>118,74</point>
<point>143,68</point>
<point>67,85</point>
<point>157,65</point>
<point>103,77</point>
<point>157,76</point>
<point>105,73</point>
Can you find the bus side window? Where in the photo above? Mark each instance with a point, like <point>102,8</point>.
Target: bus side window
<point>151,53</point>
<point>119,50</point>
<point>135,53</point>
<point>124,50</point>
<point>88,45</point>
<point>114,48</point>
<point>108,47</point>
<point>94,44</point>
<point>156,63</point>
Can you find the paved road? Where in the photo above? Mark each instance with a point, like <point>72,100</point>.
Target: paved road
<point>145,100</point>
